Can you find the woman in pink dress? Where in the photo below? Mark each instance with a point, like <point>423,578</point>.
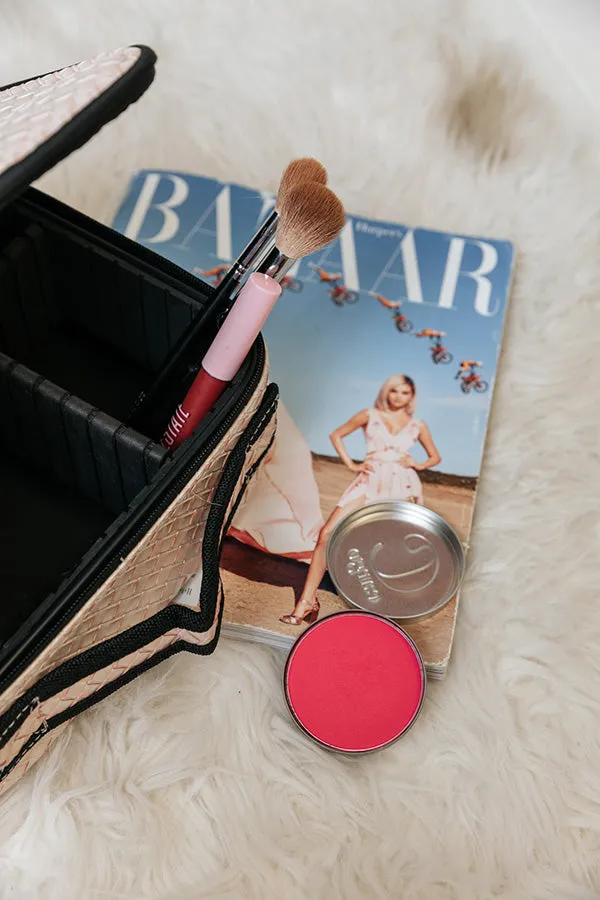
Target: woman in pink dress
<point>388,472</point>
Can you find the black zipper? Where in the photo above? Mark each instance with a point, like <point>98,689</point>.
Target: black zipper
<point>236,405</point>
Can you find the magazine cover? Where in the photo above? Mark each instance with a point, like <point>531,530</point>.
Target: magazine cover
<point>385,347</point>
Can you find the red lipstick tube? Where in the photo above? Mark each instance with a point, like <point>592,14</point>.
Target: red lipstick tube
<point>224,356</point>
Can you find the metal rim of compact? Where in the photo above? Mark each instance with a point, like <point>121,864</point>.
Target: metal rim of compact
<point>367,596</point>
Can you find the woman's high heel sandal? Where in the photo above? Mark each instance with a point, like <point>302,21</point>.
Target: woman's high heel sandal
<point>311,615</point>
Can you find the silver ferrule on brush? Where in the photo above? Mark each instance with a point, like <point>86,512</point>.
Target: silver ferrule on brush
<point>275,263</point>
<point>256,246</point>
<point>255,249</point>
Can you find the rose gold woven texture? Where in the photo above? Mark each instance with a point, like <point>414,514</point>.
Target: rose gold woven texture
<point>37,751</point>
<point>32,112</point>
<point>151,575</point>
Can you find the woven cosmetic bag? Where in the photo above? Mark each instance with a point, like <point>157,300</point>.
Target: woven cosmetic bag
<point>101,526</point>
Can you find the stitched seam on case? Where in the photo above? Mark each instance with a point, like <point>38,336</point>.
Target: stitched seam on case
<point>257,431</point>
<point>22,712</point>
<point>29,745</point>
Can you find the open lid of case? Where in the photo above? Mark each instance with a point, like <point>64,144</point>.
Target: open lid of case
<point>45,118</point>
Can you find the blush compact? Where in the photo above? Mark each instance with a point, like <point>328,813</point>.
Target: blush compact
<point>354,682</point>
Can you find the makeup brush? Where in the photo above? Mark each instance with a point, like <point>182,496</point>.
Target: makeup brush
<point>311,217</point>
<point>183,357</point>
<point>297,172</point>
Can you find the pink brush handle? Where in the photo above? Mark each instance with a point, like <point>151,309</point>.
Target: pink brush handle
<point>224,356</point>
<point>241,327</point>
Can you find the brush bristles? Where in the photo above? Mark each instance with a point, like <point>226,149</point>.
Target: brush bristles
<point>311,217</point>
<point>298,172</point>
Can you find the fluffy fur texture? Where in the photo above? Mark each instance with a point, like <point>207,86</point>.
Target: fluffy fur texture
<point>193,782</point>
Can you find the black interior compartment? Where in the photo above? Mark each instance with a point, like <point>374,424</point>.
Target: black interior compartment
<point>83,326</point>
<point>84,316</point>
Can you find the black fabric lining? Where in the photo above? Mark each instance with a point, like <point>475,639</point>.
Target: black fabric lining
<point>66,471</point>
<point>86,319</point>
<point>74,354</point>
<point>73,442</point>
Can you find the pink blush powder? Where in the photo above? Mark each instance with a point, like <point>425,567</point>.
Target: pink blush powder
<point>354,681</point>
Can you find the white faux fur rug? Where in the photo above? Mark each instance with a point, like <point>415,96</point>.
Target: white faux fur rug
<point>193,782</point>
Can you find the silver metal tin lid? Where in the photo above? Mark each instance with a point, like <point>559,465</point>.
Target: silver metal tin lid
<point>397,559</point>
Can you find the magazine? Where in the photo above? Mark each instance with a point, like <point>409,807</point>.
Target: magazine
<point>385,310</point>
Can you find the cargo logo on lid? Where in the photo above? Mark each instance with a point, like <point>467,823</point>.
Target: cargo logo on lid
<point>427,567</point>
<point>356,566</point>
<point>398,559</point>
